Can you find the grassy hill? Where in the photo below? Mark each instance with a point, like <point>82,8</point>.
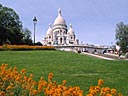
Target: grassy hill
<point>77,69</point>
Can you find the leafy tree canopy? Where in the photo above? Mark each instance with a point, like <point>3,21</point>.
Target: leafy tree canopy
<point>122,36</point>
<point>10,26</point>
<point>27,36</point>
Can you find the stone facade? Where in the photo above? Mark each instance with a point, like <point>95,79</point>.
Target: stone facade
<point>58,34</point>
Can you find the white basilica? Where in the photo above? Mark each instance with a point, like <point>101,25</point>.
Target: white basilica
<point>59,34</point>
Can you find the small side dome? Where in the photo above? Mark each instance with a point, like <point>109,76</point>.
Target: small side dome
<point>49,31</point>
<point>70,30</point>
<point>59,19</point>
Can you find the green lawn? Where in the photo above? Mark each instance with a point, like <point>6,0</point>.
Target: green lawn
<point>77,69</point>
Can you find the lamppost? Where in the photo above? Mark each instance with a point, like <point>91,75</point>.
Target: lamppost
<point>34,21</point>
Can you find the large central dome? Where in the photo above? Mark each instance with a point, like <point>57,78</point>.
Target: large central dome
<point>59,19</point>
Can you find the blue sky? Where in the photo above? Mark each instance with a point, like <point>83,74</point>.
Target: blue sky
<point>94,21</point>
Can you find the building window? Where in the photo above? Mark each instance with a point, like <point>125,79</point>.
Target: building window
<point>49,43</point>
<point>71,42</point>
<point>61,40</point>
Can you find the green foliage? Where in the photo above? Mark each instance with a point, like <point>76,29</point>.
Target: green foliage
<point>27,36</point>
<point>11,28</point>
<point>122,35</point>
<point>77,69</point>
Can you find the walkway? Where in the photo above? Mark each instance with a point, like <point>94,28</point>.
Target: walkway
<point>106,56</point>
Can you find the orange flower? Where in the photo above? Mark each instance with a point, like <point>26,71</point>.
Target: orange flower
<point>2,93</point>
<point>108,95</point>
<point>120,94</point>
<point>113,91</point>
<point>35,92</point>
<point>50,76</point>
<point>18,79</point>
<point>23,71</point>
<point>11,79</point>
<point>89,95</point>
<point>4,79</point>
<point>97,88</point>
<point>64,82</point>
<point>31,75</point>
<point>8,88</point>
<point>100,82</point>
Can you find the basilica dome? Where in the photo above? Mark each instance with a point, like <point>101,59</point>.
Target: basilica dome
<point>59,19</point>
<point>70,30</point>
<point>49,31</point>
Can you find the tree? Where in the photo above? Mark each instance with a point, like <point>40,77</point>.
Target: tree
<point>38,44</point>
<point>27,36</point>
<point>10,26</point>
<point>122,36</point>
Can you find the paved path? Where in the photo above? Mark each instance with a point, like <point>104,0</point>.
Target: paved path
<point>106,56</point>
<point>98,56</point>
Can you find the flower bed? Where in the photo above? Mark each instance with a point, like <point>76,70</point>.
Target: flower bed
<point>25,47</point>
<point>16,83</point>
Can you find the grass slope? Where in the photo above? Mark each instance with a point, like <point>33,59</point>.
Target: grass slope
<point>78,70</point>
